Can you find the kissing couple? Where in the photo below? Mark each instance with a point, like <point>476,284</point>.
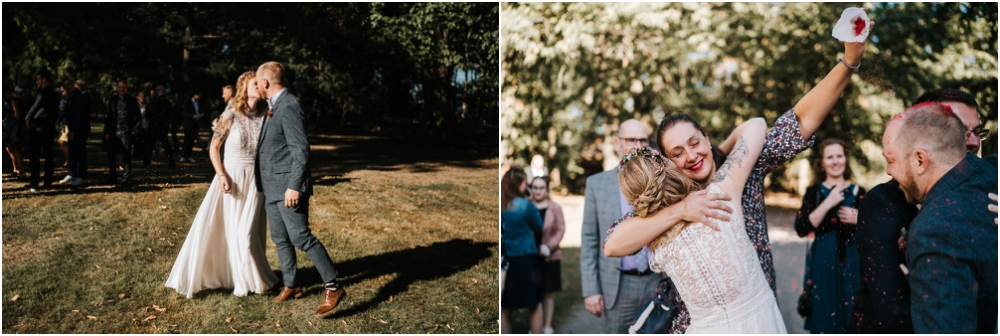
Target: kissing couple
<point>266,170</point>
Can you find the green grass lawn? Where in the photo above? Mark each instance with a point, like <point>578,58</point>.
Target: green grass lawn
<point>413,232</point>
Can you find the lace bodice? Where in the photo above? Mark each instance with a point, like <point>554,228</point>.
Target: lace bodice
<point>241,132</point>
<point>716,272</point>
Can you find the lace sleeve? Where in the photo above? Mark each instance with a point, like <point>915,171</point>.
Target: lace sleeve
<point>224,125</point>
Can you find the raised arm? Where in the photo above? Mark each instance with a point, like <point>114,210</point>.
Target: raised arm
<point>813,108</point>
<point>746,142</point>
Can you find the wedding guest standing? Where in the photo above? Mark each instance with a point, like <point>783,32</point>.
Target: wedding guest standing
<point>159,126</point>
<point>12,131</point>
<point>120,125</point>
<point>193,112</point>
<point>520,223</point>
<point>139,142</point>
<point>832,264</point>
<point>78,125</point>
<point>951,251</point>
<point>549,267</point>
<point>41,125</point>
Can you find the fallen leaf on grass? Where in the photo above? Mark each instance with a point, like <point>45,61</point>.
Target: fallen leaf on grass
<point>164,207</point>
<point>449,326</point>
<point>277,324</point>
<point>475,281</point>
<point>151,317</point>
<point>92,317</point>
<point>159,309</point>
<point>390,298</point>
<point>310,323</point>
<point>382,321</point>
<point>150,250</point>
<point>345,322</point>
<point>76,310</point>
<point>477,311</point>
<point>121,296</point>
<point>234,330</point>
<point>16,296</point>
<point>230,319</point>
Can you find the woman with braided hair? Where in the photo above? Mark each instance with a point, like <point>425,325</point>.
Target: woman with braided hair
<point>716,272</point>
<point>225,246</point>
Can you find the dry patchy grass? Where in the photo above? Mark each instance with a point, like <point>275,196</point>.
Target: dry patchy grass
<point>413,231</point>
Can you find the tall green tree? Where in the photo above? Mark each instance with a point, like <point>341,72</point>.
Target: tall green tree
<point>573,72</point>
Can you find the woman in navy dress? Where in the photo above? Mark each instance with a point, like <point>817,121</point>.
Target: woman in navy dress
<point>832,274</point>
<point>520,223</point>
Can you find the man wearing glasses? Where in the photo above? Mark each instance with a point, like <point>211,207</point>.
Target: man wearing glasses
<point>882,215</point>
<point>613,288</point>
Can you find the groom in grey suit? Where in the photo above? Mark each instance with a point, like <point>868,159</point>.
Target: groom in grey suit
<point>282,173</point>
<point>613,288</point>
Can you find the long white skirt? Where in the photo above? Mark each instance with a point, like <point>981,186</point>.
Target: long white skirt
<point>225,246</point>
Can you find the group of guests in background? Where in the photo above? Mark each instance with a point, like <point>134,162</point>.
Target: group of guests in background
<point>860,269</point>
<point>135,126</point>
<point>532,226</point>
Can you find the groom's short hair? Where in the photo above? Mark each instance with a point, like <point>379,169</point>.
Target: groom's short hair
<point>273,71</point>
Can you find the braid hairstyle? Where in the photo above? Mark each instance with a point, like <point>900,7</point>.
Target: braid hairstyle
<point>651,182</point>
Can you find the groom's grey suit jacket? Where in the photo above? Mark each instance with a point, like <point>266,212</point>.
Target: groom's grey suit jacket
<point>283,150</point>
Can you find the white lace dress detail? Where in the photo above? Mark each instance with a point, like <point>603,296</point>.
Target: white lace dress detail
<point>719,278</point>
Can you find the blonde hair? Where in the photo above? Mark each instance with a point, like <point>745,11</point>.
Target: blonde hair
<point>650,182</point>
<point>273,71</point>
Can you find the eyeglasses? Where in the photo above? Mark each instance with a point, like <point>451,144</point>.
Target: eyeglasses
<point>538,188</point>
<point>633,141</point>
<point>979,132</point>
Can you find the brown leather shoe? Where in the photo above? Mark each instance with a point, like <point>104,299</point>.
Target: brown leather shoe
<point>330,301</point>
<point>288,293</point>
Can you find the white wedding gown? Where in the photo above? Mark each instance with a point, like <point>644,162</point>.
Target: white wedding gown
<point>225,246</point>
<point>719,278</point>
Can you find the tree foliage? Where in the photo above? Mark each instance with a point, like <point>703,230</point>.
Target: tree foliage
<point>426,67</point>
<point>572,72</point>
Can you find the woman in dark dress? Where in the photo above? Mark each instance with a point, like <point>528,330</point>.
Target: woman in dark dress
<point>549,266</point>
<point>833,273</point>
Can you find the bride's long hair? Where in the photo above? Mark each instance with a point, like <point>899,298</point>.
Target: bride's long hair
<point>240,100</point>
<point>651,182</point>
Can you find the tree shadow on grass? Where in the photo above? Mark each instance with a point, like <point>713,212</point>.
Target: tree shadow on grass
<point>439,260</point>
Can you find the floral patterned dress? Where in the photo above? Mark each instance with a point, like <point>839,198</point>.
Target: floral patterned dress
<point>782,143</point>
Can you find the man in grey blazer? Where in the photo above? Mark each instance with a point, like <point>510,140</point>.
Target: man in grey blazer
<point>613,288</point>
<point>282,173</point>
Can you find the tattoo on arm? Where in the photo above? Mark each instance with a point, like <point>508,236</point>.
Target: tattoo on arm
<point>735,158</point>
<point>222,129</point>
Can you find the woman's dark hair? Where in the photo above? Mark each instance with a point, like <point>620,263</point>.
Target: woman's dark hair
<point>717,155</point>
<point>509,185</point>
<point>818,173</point>
<point>946,95</point>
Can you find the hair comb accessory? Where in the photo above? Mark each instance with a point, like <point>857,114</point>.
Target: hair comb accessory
<point>645,151</point>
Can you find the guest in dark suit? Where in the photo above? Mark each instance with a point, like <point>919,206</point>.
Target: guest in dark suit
<point>193,112</point>
<point>882,305</point>
<point>41,123</point>
<point>952,244</point>
<point>159,125</point>
<point>120,125</point>
<point>78,121</point>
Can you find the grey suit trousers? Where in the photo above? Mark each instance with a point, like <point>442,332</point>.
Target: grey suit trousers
<point>632,291</point>
<point>290,230</point>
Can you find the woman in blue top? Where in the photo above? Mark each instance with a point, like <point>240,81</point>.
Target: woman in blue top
<point>833,273</point>
<point>520,223</point>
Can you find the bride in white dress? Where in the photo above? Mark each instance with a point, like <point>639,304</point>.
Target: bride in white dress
<point>715,272</point>
<point>225,246</point>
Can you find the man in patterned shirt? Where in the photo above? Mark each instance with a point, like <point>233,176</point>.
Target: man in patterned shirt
<point>682,141</point>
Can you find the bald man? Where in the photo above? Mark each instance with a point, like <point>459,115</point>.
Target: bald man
<point>951,251</point>
<point>613,288</point>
